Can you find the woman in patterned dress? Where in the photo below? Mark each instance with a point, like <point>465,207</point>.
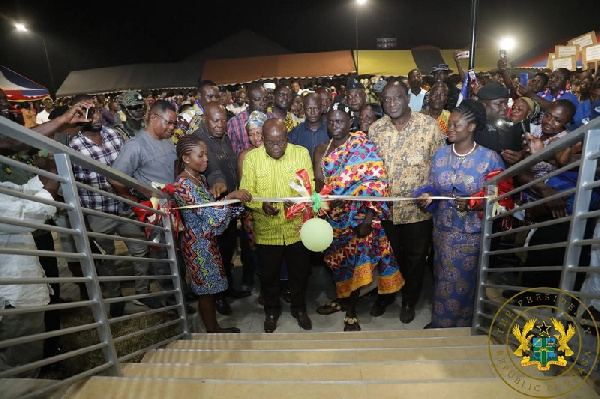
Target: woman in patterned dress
<point>202,226</point>
<point>349,164</point>
<point>458,170</point>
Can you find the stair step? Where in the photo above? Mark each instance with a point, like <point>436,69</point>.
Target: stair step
<point>345,342</point>
<point>316,372</point>
<point>434,332</point>
<point>355,355</point>
<point>148,388</point>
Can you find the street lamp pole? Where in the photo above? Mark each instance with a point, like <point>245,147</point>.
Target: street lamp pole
<point>356,31</point>
<point>358,4</point>
<point>52,87</point>
<point>474,9</point>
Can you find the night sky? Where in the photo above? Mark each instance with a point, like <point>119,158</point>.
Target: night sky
<point>83,35</point>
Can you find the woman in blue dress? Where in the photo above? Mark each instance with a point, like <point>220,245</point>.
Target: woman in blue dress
<point>458,170</point>
<point>202,226</point>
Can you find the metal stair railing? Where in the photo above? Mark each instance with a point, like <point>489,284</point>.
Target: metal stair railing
<point>493,279</point>
<point>64,158</point>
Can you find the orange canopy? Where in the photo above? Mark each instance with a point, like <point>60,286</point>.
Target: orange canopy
<point>304,65</point>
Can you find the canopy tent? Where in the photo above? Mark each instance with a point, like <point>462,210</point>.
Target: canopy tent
<point>244,43</point>
<point>131,77</point>
<point>19,88</point>
<point>400,62</point>
<point>539,57</point>
<point>304,65</point>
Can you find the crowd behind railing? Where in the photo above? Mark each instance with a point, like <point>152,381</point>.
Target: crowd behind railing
<point>420,139</point>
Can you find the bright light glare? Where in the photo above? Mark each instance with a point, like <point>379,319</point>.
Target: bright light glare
<point>507,43</point>
<point>361,2</point>
<point>20,27</point>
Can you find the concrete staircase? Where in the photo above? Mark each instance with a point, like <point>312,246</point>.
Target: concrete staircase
<point>439,364</point>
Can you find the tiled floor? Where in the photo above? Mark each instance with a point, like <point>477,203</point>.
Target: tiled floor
<point>248,315</point>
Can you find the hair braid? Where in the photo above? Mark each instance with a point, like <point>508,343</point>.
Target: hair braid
<point>473,111</point>
<point>185,145</point>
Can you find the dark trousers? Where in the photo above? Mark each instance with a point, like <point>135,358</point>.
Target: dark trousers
<point>45,242</point>
<point>248,258</point>
<point>298,262</point>
<point>410,243</point>
<point>227,243</point>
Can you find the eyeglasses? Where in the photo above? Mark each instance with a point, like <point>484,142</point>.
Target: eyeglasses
<point>275,143</point>
<point>172,123</point>
<point>135,107</point>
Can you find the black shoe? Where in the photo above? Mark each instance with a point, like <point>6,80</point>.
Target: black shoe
<point>152,303</point>
<point>379,306</point>
<point>303,320</point>
<point>222,306</point>
<point>189,309</point>
<point>235,294</point>
<point>407,314</point>
<point>231,330</point>
<point>191,297</point>
<point>117,309</point>
<point>270,323</point>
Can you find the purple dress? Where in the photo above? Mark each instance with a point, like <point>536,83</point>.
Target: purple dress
<point>456,236</point>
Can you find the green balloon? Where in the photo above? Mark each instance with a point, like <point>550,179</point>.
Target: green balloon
<point>316,234</point>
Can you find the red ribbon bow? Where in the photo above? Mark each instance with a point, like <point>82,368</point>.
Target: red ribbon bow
<point>306,191</point>
<point>154,218</point>
<point>504,187</point>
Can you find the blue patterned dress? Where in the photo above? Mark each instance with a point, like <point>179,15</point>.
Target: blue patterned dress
<point>199,239</point>
<point>456,237</point>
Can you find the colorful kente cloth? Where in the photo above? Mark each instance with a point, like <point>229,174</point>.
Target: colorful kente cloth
<point>442,120</point>
<point>355,168</point>
<point>199,239</point>
<point>456,235</point>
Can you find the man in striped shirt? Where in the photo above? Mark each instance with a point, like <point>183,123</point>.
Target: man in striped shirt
<point>267,172</point>
<point>103,145</point>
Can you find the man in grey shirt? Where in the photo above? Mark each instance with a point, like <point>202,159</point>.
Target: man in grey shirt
<point>150,157</point>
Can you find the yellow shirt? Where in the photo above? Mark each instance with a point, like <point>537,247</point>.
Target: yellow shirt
<point>407,156</point>
<point>264,176</point>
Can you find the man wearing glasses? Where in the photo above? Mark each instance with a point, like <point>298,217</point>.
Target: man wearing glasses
<point>150,157</point>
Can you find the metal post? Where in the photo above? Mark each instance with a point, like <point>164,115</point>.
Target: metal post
<point>484,258</point>
<point>52,87</point>
<point>175,271</point>
<point>580,205</point>
<point>356,31</point>
<point>474,9</point>
<point>82,243</point>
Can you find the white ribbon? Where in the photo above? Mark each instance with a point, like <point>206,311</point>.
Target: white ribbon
<point>325,198</point>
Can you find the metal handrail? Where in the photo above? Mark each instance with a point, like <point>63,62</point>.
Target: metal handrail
<point>77,231</point>
<point>586,167</point>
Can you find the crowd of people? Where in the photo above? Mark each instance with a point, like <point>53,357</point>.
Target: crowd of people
<point>373,137</point>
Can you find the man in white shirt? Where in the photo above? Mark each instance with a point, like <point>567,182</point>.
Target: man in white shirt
<point>416,92</point>
<point>42,117</point>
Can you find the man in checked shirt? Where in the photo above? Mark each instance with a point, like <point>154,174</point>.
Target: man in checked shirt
<point>103,145</point>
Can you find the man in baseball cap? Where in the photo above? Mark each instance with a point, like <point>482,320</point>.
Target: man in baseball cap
<point>441,72</point>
